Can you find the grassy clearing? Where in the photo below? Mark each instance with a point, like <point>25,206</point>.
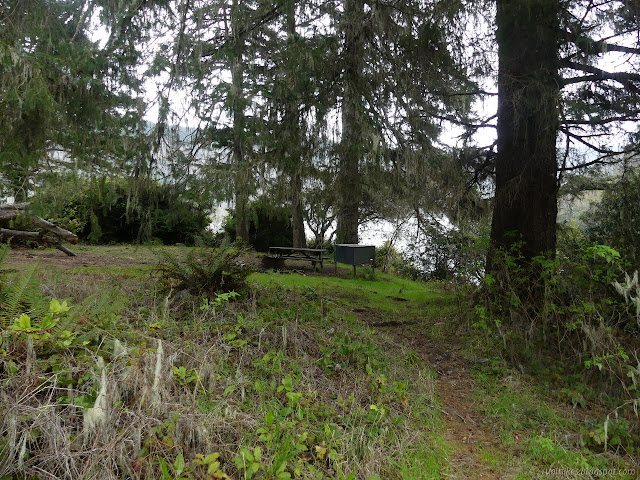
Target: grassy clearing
<point>287,381</point>
<point>280,384</point>
<point>385,293</point>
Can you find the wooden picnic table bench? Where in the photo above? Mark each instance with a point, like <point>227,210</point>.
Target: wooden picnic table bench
<point>313,255</point>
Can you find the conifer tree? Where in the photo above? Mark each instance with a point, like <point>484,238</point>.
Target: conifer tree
<point>554,96</point>
<point>61,102</point>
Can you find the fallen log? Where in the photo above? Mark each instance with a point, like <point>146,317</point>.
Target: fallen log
<point>12,211</point>
<point>56,230</point>
<point>14,206</point>
<point>38,237</point>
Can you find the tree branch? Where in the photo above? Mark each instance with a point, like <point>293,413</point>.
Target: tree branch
<point>483,124</point>
<point>584,142</point>
<point>601,46</point>
<point>602,121</point>
<point>601,160</point>
<point>625,78</point>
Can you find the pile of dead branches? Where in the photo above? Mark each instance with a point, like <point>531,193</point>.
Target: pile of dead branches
<point>48,234</point>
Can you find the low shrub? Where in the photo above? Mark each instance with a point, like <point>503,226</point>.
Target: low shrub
<point>587,319</point>
<point>204,271</point>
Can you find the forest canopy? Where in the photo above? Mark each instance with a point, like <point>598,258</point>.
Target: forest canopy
<point>341,112</point>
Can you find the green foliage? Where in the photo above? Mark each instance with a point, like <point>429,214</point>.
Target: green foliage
<point>57,87</point>
<point>391,260</point>
<point>284,384</point>
<point>269,225</point>
<point>452,253</point>
<point>20,295</point>
<point>204,271</point>
<point>45,329</point>
<point>118,211</point>
<point>615,220</point>
<point>586,308</point>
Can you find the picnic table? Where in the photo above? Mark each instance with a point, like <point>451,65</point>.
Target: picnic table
<point>313,255</point>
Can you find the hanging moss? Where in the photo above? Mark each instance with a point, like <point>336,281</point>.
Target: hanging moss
<point>107,211</point>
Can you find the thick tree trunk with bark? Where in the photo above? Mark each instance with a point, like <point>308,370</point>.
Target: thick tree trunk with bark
<point>525,207</point>
<point>297,212</point>
<point>349,194</point>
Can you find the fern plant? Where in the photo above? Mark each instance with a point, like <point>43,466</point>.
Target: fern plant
<point>204,271</point>
<point>19,294</point>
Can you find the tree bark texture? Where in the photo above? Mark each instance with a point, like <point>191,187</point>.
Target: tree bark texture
<point>525,208</point>
<point>297,212</point>
<point>351,149</point>
<point>237,101</point>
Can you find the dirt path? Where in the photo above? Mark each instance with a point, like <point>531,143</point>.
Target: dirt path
<point>21,257</point>
<point>467,430</point>
<point>466,426</point>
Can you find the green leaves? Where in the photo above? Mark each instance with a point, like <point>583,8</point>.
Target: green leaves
<point>23,323</point>
<point>248,461</point>
<point>46,328</point>
<point>55,307</point>
<point>212,272</point>
<point>603,251</point>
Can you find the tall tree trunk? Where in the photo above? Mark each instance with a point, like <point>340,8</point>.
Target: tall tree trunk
<point>294,137</point>
<point>242,176</point>
<point>351,149</point>
<point>299,237</point>
<point>525,207</point>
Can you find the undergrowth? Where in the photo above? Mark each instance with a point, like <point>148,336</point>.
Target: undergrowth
<point>579,334</point>
<point>277,385</point>
<point>204,271</point>
<point>113,377</point>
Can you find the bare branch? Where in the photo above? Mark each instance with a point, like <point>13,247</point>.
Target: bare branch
<point>607,159</point>
<point>625,78</point>
<point>601,121</point>
<point>584,142</point>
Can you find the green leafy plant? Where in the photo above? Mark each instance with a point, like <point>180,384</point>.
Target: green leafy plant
<point>20,295</point>
<point>221,298</point>
<point>44,329</point>
<point>119,210</point>
<point>204,271</point>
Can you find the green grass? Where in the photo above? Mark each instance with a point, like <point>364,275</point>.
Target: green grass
<point>386,293</point>
<point>131,271</point>
<point>537,432</point>
<point>290,378</point>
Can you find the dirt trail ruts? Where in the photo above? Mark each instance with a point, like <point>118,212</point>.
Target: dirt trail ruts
<point>467,430</point>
